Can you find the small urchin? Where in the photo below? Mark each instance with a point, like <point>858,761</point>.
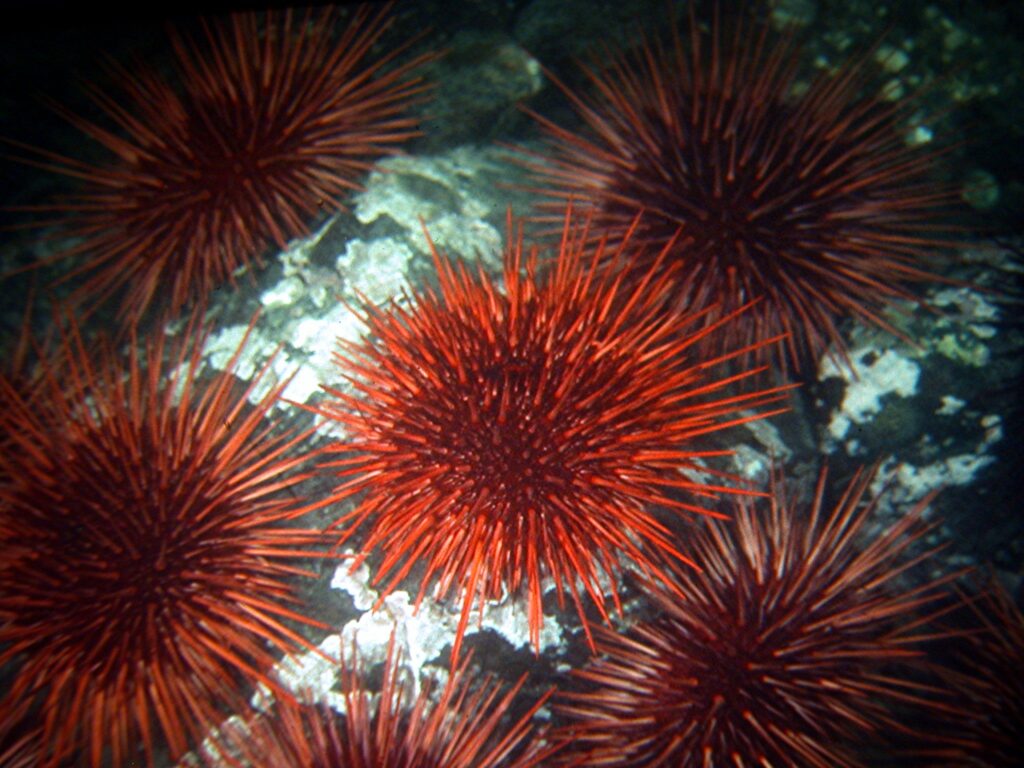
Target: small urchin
<point>504,436</point>
<point>814,201</point>
<point>268,121</point>
<point>147,550</point>
<point>794,647</point>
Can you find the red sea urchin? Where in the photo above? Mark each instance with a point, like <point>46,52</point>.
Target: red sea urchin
<point>144,551</point>
<point>271,122</point>
<point>505,437</point>
<point>460,728</point>
<point>814,203</point>
<point>785,651</point>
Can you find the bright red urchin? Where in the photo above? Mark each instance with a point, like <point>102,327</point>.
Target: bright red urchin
<point>145,549</point>
<point>502,437</point>
<point>270,124</point>
<point>785,651</point>
<point>814,203</point>
<point>463,727</point>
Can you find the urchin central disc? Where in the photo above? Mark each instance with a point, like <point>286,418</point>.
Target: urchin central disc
<point>508,459</point>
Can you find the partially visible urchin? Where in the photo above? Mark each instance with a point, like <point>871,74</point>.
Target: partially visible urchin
<point>791,648</point>
<point>986,727</point>
<point>812,201</point>
<point>505,436</point>
<point>147,551</point>
<point>269,120</point>
<point>464,724</point>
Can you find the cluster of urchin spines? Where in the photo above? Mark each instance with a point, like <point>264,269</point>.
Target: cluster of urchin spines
<point>816,204</point>
<point>463,723</point>
<point>270,121</point>
<point>794,646</point>
<point>547,425</point>
<point>154,503</point>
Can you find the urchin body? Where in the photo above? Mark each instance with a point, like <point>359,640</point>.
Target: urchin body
<point>144,551</point>
<point>507,437</point>
<point>790,649</point>
<point>813,202</point>
<point>465,724</point>
<point>271,120</point>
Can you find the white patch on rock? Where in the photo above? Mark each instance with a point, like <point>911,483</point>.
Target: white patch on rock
<point>375,270</point>
<point>470,238</point>
<point>286,292</point>
<point>356,584</point>
<point>888,373</point>
<point>910,484</point>
<point>221,347</point>
<point>970,310</point>
<point>318,338</point>
<point>429,629</point>
<point>753,462</point>
<point>295,259</point>
<point>441,193</point>
<point>312,672</point>
<point>950,405</point>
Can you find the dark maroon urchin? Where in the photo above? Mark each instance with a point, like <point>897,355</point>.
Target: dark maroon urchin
<point>146,550</point>
<point>502,436</point>
<point>271,120</point>
<point>985,680</point>
<point>462,726</point>
<point>787,650</point>
<point>813,202</point>
<point>19,738</point>
<point>18,355</point>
